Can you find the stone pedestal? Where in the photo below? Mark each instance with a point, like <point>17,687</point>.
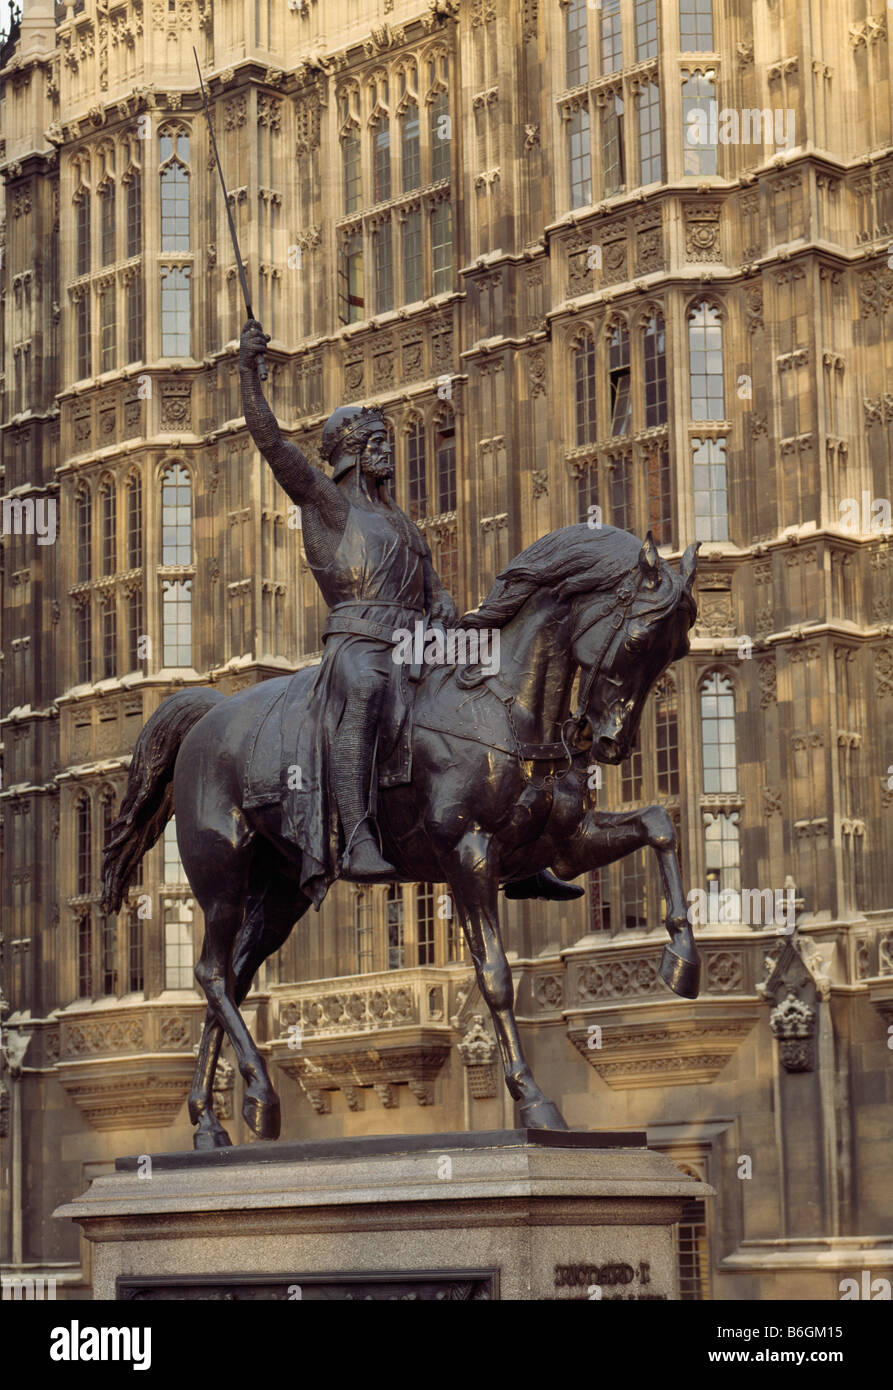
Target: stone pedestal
<point>517,1214</point>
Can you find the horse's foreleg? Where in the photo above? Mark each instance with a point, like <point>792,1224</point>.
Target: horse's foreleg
<point>603,838</point>
<point>475,886</point>
<point>680,965</point>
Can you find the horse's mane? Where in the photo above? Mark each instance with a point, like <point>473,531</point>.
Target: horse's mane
<point>573,560</point>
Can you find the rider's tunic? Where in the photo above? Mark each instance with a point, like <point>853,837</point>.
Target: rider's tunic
<point>374,585</point>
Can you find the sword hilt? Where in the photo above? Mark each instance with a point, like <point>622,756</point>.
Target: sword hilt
<point>261,364</point>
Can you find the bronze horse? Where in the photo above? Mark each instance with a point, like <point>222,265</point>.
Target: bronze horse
<point>500,771</point>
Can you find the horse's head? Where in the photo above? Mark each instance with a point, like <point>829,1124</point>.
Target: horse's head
<point>624,639</point>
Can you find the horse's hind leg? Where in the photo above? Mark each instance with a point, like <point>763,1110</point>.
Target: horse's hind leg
<point>216,853</point>
<point>475,885</point>
<point>269,918</point>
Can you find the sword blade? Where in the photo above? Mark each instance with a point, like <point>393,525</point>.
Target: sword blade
<point>243,280</point>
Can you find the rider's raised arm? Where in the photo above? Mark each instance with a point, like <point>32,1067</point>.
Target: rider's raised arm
<point>437,600</point>
<point>303,483</point>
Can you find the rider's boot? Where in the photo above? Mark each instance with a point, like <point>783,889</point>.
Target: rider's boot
<point>354,770</point>
<point>363,862</point>
<point>544,885</point>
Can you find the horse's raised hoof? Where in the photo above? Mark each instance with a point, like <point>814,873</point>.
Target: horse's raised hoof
<point>680,967</point>
<point>263,1117</point>
<point>542,1114</point>
<point>206,1139</point>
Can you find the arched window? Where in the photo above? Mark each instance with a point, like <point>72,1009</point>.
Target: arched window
<point>579,158</point>
<point>440,133</point>
<point>176,516</point>
<point>576,43</point>
<point>584,390</point>
<point>84,844</point>
<point>84,515</point>
<point>445,460</point>
<point>134,522</point>
<point>410,156</point>
<point>705,363</point>
<point>654,362</point>
<point>381,159</point>
<point>618,379</point>
<point>718,734</point>
<point>416,470</point>
<point>666,726</point>
<point>108,508</point>
<point>174,190</point>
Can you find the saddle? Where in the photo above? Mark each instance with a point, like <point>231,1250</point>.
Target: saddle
<point>265,772</point>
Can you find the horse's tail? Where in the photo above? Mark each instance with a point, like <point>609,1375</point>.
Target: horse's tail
<point>148,801</point>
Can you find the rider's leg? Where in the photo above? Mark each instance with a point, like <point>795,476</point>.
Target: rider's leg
<point>355,763</point>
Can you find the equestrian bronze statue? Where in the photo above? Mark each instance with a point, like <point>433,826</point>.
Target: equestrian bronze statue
<point>369,769</point>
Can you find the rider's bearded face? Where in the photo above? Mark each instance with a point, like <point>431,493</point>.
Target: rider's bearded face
<point>376,460</point>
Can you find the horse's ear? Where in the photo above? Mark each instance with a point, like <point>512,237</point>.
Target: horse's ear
<point>688,567</point>
<point>649,563</point>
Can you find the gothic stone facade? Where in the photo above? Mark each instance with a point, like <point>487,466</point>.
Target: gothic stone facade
<point>534,233</point>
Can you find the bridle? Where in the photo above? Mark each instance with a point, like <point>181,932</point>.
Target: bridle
<point>625,595</point>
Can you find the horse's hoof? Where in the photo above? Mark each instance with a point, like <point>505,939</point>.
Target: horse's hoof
<point>681,972</point>
<point>542,1114</point>
<point>264,1118</point>
<point>205,1139</point>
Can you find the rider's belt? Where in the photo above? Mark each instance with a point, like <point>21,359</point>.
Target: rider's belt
<point>359,627</point>
<point>340,621</point>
